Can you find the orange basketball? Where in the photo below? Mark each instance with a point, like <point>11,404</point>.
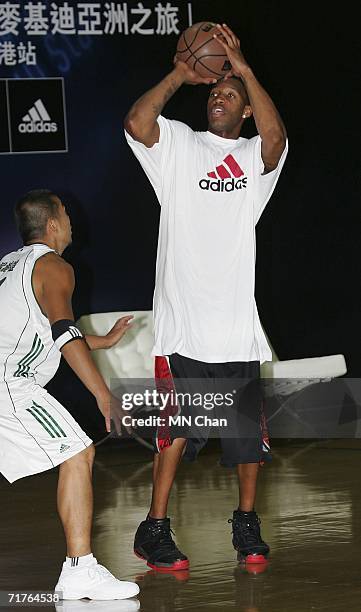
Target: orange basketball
<point>203,53</point>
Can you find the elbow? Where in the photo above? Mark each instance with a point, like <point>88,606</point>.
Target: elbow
<point>276,144</point>
<point>130,124</point>
<point>138,129</point>
<point>277,140</point>
<point>134,125</point>
<point>272,149</point>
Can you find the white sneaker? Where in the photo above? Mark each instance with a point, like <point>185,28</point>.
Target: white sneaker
<point>93,581</point>
<point>82,605</point>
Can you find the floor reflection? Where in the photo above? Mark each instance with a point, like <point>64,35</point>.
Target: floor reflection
<point>309,502</point>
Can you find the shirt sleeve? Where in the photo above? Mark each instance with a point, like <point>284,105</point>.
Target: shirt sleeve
<point>153,159</point>
<point>264,184</point>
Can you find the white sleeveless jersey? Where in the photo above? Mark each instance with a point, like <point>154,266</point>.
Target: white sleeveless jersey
<point>27,350</point>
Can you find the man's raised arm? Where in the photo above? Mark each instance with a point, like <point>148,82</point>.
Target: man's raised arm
<point>267,118</point>
<point>141,120</point>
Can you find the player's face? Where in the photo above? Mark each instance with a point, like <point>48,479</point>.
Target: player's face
<point>225,106</point>
<point>64,225</point>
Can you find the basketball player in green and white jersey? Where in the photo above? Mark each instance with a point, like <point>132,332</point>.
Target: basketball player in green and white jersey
<point>36,432</point>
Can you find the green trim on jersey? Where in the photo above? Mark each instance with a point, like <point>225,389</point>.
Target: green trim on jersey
<point>24,363</point>
<point>46,421</point>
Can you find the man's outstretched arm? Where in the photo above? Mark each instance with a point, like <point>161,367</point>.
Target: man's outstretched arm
<point>113,336</point>
<point>141,120</point>
<point>53,281</point>
<point>267,118</point>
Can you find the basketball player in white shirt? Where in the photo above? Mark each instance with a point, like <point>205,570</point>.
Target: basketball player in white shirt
<point>212,187</point>
<point>36,431</point>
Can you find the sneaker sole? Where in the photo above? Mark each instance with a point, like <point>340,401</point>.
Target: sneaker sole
<point>178,565</point>
<point>72,596</point>
<point>79,596</point>
<point>251,558</point>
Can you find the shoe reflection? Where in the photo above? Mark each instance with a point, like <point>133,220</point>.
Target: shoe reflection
<point>179,575</point>
<point>250,580</point>
<point>254,568</point>
<point>163,591</point>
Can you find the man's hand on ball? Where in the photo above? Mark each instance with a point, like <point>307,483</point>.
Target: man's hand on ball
<point>118,330</point>
<point>231,45</point>
<point>189,76</point>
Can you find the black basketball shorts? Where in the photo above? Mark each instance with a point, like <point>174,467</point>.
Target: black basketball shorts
<point>244,439</point>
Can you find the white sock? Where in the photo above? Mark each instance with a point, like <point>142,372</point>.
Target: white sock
<point>74,562</point>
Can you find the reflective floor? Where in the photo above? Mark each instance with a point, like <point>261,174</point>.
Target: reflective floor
<point>309,501</point>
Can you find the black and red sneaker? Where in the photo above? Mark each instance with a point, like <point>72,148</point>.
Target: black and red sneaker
<point>153,542</point>
<point>247,539</point>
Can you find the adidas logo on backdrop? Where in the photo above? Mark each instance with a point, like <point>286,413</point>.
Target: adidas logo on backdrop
<point>228,169</point>
<point>37,119</point>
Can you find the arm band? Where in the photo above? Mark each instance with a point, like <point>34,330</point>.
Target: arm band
<point>65,331</point>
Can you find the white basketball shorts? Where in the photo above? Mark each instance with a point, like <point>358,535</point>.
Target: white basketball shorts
<point>36,432</point>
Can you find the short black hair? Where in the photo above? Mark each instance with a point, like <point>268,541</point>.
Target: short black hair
<point>33,211</point>
<point>240,80</point>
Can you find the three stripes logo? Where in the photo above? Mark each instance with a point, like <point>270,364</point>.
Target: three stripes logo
<point>64,447</point>
<point>37,119</point>
<point>72,333</point>
<point>42,416</point>
<point>228,169</point>
<point>25,363</point>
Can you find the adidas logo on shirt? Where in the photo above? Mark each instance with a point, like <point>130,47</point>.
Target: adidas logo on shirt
<point>228,169</point>
<point>37,119</point>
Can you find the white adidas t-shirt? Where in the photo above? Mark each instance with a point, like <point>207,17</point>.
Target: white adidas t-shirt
<point>212,193</point>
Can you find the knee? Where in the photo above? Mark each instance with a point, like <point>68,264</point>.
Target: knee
<point>85,456</point>
<point>89,453</point>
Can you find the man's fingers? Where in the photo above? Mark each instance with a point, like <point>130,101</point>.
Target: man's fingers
<point>118,416</point>
<point>208,81</point>
<point>123,320</point>
<point>202,81</point>
<point>235,40</point>
<point>126,321</point>
<point>223,32</point>
<point>230,33</point>
<point>118,428</point>
<point>107,424</point>
<point>116,424</point>
<point>128,429</point>
<point>225,45</point>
